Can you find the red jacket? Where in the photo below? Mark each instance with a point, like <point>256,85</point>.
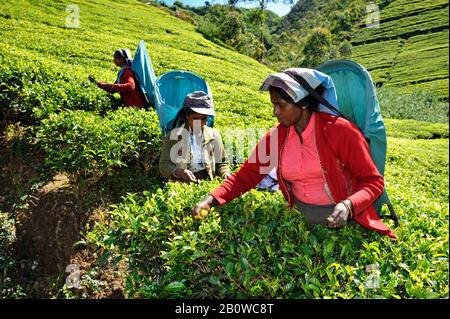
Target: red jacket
<point>129,91</point>
<point>346,163</point>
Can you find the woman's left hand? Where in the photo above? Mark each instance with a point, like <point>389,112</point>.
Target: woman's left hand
<point>339,216</point>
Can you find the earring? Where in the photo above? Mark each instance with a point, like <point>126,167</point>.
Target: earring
<point>304,107</point>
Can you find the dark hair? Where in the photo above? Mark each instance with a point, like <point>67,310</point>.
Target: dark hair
<point>120,54</point>
<point>309,101</point>
<point>188,111</point>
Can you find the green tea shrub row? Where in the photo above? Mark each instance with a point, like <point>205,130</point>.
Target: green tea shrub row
<point>31,89</point>
<point>256,247</point>
<point>412,129</point>
<point>420,105</point>
<point>87,146</point>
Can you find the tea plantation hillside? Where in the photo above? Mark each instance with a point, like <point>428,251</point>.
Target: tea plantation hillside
<point>79,185</point>
<point>50,60</point>
<point>409,48</point>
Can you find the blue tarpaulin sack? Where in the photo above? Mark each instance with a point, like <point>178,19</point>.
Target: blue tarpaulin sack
<point>143,72</point>
<point>170,91</point>
<point>167,92</point>
<point>358,103</point>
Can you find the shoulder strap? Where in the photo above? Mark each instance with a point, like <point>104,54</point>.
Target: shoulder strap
<point>301,80</point>
<point>122,69</point>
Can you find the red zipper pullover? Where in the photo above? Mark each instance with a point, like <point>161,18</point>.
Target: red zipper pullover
<point>346,164</point>
<point>129,90</point>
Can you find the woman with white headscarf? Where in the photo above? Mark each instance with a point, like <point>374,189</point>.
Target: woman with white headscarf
<point>125,84</point>
<point>322,160</point>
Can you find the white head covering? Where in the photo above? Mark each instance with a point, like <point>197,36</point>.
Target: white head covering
<point>126,54</point>
<point>297,92</point>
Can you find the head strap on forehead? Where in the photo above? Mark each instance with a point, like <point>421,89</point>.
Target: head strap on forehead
<point>301,80</point>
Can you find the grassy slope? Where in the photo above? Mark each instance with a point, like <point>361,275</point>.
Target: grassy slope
<point>172,43</point>
<point>38,34</point>
<point>410,48</point>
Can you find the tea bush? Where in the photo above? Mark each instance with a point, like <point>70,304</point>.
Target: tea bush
<point>32,88</point>
<point>420,105</point>
<point>412,129</point>
<point>87,146</point>
<point>36,38</point>
<point>256,247</point>
<point>409,47</point>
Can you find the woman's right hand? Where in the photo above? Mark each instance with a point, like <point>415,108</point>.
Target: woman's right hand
<point>106,86</point>
<point>185,175</point>
<point>92,79</point>
<point>201,210</point>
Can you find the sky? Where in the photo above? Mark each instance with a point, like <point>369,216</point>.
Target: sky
<point>279,8</point>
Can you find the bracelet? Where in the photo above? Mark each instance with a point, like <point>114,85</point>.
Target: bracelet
<point>348,208</point>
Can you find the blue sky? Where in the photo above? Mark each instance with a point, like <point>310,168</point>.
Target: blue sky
<point>279,8</point>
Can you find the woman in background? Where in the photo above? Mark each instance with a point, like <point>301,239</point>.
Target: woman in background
<point>125,84</point>
<point>194,151</point>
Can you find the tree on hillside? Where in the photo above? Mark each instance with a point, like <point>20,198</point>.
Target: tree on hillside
<point>345,50</point>
<point>178,4</point>
<point>262,3</point>
<point>318,48</point>
<point>227,25</point>
<point>302,11</point>
<point>232,26</point>
<point>286,51</point>
<point>261,17</point>
<point>339,16</point>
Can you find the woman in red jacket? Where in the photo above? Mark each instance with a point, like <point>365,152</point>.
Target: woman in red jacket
<point>125,84</point>
<point>323,161</point>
